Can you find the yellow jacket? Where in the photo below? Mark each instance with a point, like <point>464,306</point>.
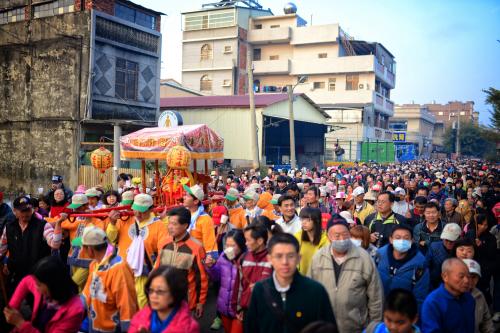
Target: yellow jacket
<point>204,232</point>
<point>308,249</point>
<point>366,210</point>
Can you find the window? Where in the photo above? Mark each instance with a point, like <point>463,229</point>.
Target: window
<point>440,113</point>
<point>228,49</point>
<point>274,57</point>
<point>135,16</point>
<point>226,83</point>
<point>322,55</point>
<point>275,26</point>
<point>205,83</point>
<point>331,84</point>
<point>257,26</point>
<point>200,21</point>
<point>398,126</point>
<point>206,52</point>
<point>13,15</point>
<point>256,54</point>
<point>126,79</point>
<point>54,8</point>
<point>351,82</point>
<point>319,85</point>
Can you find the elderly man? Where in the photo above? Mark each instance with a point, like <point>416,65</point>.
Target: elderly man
<point>450,215</point>
<point>400,206</point>
<point>351,279</point>
<point>362,208</point>
<point>450,308</point>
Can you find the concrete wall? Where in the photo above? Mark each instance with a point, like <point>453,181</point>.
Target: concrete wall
<point>192,80</point>
<point>44,79</point>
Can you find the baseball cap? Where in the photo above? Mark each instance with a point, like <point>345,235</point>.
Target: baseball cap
<point>358,191</point>
<point>22,203</point>
<point>232,194</point>
<point>473,266</point>
<point>449,180</point>
<point>92,192</point>
<point>336,219</point>
<point>57,179</point>
<point>251,195</point>
<point>93,235</point>
<point>347,216</point>
<point>142,202</point>
<point>127,198</point>
<point>275,199</point>
<point>196,191</point>
<point>399,191</point>
<point>451,232</point>
<point>78,200</point>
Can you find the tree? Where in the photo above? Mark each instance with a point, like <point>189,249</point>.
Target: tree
<point>474,140</point>
<point>493,99</point>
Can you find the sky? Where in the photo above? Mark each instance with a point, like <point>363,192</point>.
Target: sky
<point>447,50</point>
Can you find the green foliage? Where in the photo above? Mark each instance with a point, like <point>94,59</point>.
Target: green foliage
<point>493,99</point>
<point>474,140</point>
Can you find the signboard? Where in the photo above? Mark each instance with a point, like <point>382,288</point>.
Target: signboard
<point>399,137</point>
<point>170,118</point>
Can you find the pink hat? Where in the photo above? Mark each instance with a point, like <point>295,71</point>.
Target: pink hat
<point>80,189</point>
<point>340,195</point>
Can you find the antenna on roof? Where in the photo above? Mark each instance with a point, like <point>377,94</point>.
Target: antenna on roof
<point>253,4</point>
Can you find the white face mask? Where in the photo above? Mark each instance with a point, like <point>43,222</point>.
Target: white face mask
<point>230,253</point>
<point>356,242</point>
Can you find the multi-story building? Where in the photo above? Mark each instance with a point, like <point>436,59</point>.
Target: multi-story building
<point>413,127</point>
<point>71,69</point>
<point>350,79</point>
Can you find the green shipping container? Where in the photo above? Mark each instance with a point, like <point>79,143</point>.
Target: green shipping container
<point>380,152</point>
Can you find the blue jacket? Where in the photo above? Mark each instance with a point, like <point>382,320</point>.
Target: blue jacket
<point>412,275</point>
<point>434,258</point>
<point>444,313</point>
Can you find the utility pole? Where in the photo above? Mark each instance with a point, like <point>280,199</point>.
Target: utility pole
<point>253,117</point>
<point>117,132</point>
<point>293,162</point>
<point>458,135</point>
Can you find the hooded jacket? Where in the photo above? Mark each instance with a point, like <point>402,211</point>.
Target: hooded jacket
<point>226,272</point>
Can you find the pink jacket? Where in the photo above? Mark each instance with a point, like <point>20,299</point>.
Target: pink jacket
<point>66,320</point>
<point>181,323</point>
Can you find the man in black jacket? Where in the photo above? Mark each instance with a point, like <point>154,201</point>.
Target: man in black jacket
<point>287,301</point>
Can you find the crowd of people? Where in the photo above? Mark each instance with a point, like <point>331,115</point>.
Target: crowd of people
<point>409,247</point>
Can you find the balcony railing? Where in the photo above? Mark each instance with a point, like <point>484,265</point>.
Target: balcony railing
<point>384,73</point>
<point>271,67</point>
<point>269,36</point>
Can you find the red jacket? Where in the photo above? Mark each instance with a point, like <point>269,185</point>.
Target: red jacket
<point>182,322</point>
<point>252,268</point>
<point>66,320</point>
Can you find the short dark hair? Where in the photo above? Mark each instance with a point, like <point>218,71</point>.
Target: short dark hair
<point>269,224</point>
<point>308,181</point>
<point>176,280</point>
<point>293,187</point>
<point>423,188</point>
<point>257,230</point>
<point>285,198</point>
<point>390,195</point>
<point>123,176</point>
<point>436,184</point>
<point>283,238</point>
<point>421,200</point>
<point>54,273</point>
<point>315,190</point>
<point>182,213</point>
<point>402,301</point>
<point>336,219</point>
<point>431,205</point>
<point>109,193</point>
<point>315,215</point>
<point>402,227</point>
<point>463,242</point>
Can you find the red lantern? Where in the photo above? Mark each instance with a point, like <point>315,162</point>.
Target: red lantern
<point>101,159</point>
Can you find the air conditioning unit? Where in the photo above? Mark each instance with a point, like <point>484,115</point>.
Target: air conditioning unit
<point>361,86</point>
<point>226,83</point>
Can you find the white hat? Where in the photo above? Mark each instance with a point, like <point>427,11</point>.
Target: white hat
<point>347,216</point>
<point>358,191</point>
<point>78,200</point>
<point>370,195</point>
<point>275,199</point>
<point>399,191</point>
<point>196,191</point>
<point>127,197</point>
<point>142,202</point>
<point>340,195</point>
<point>93,235</point>
<point>254,187</point>
<point>92,192</point>
<point>251,195</point>
<point>449,180</point>
<point>451,232</point>
<point>473,266</point>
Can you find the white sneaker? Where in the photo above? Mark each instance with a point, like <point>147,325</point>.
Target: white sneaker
<point>496,317</point>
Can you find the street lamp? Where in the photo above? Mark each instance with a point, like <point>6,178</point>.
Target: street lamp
<point>458,131</point>
<point>289,89</point>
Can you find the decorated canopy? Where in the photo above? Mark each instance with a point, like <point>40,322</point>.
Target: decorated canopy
<point>155,142</point>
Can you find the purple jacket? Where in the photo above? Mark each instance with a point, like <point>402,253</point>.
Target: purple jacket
<point>225,272</point>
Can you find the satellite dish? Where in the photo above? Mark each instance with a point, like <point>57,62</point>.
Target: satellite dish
<point>290,8</point>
